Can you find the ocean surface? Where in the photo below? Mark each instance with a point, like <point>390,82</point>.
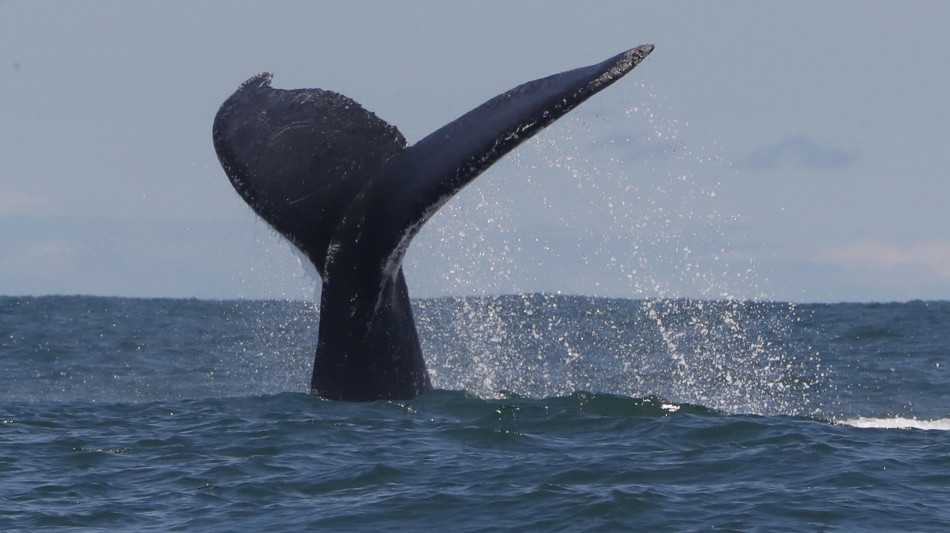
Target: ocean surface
<point>552,413</point>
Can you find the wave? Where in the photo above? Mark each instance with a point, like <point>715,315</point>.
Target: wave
<point>941,424</point>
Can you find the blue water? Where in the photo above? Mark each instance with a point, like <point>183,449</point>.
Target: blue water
<point>552,414</point>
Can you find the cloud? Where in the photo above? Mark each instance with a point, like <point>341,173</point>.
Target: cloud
<point>798,151</point>
<point>927,260</point>
<point>18,203</point>
<point>98,256</point>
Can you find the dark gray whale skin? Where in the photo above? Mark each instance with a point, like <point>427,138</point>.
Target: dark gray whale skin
<point>341,185</point>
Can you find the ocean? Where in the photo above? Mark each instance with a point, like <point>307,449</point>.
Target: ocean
<point>551,413</point>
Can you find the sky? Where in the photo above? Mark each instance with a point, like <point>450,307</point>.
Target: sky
<point>790,151</point>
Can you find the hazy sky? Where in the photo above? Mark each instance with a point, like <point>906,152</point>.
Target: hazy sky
<point>795,151</point>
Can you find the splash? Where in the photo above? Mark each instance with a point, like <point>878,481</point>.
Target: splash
<point>727,356</point>
<point>618,207</point>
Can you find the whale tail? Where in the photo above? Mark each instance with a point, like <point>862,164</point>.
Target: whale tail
<point>341,184</point>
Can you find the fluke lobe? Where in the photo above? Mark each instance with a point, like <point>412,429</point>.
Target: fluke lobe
<point>341,185</point>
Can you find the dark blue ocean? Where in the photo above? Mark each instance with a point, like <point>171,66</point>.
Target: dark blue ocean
<point>552,413</point>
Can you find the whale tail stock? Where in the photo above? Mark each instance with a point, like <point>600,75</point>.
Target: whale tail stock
<point>341,185</point>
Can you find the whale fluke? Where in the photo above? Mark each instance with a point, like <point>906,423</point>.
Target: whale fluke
<point>341,185</point>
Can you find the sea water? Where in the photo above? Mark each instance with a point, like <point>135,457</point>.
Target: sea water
<point>551,413</point>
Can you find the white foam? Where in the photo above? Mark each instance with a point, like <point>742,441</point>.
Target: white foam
<point>941,424</point>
